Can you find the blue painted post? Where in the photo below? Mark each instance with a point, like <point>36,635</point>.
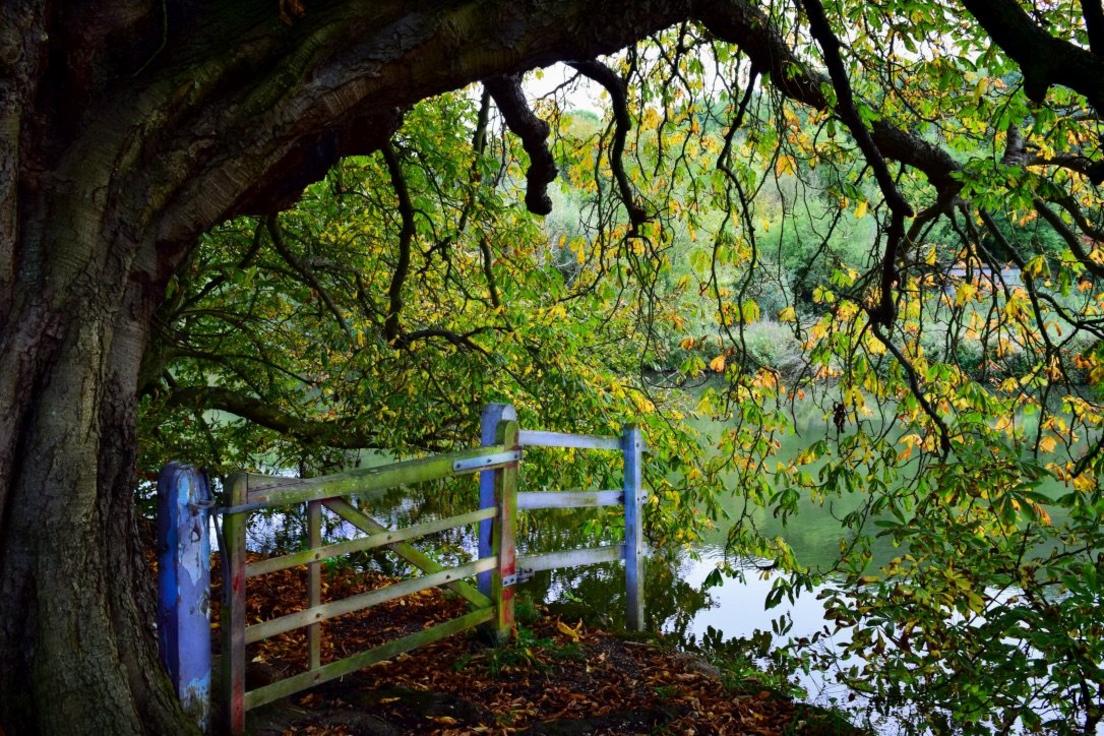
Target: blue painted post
<point>492,415</point>
<point>632,446</point>
<point>184,586</point>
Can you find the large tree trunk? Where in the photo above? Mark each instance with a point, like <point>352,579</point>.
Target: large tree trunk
<point>82,280</point>
<point>77,647</point>
<point>75,641</point>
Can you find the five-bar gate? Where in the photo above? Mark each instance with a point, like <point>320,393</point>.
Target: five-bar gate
<point>497,567</point>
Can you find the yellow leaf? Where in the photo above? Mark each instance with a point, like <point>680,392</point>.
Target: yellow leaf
<point>1084,482</point>
<point>717,364</point>
<point>1036,266</point>
<point>785,165</point>
<point>749,311</point>
<point>1044,517</point>
<point>860,210</point>
<point>572,633</point>
<point>789,314</point>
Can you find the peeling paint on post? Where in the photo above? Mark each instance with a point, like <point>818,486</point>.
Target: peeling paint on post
<point>492,415</point>
<point>184,586</point>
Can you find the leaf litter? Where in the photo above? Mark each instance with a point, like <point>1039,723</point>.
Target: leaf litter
<point>557,677</point>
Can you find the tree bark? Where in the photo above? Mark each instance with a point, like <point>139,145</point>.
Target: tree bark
<point>75,638</point>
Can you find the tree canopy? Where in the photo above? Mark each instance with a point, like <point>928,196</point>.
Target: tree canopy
<point>888,210</point>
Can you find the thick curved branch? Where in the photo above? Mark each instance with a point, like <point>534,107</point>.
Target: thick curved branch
<point>533,131</point>
<point>1073,240</point>
<point>1043,59</point>
<point>264,414</point>
<point>392,328</point>
<point>1093,14</point>
<point>613,84</point>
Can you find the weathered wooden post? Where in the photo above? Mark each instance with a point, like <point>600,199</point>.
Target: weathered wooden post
<point>504,577</point>
<point>314,631</point>
<point>233,605</point>
<point>492,415</point>
<point>184,586</point>
<point>632,445</point>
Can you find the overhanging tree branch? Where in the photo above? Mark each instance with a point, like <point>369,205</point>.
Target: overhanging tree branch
<point>392,328</point>
<point>1093,14</point>
<point>746,25</point>
<point>915,388</point>
<point>885,312</point>
<point>510,98</point>
<point>613,84</point>
<point>1073,240</point>
<point>335,434</point>
<point>1043,59</point>
<point>463,341</point>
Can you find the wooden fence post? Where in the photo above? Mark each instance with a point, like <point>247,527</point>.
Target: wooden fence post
<point>632,446</point>
<point>492,415</point>
<point>314,631</point>
<point>503,578</point>
<point>184,586</point>
<point>233,606</point>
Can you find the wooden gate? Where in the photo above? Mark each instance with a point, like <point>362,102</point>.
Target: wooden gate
<point>497,567</point>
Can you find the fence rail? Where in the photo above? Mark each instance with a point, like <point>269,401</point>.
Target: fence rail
<point>372,541</point>
<point>534,438</point>
<point>498,568</point>
<point>324,612</point>
<point>369,482</point>
<point>570,499</point>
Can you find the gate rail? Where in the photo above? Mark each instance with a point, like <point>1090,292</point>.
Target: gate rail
<point>182,523</point>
